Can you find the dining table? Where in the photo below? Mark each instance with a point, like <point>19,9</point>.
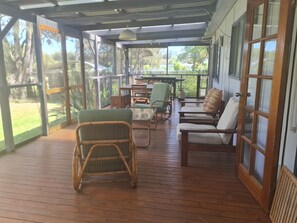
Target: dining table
<point>128,88</point>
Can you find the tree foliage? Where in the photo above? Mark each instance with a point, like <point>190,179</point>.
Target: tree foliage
<point>195,55</point>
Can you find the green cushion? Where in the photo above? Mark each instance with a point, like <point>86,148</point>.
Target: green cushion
<point>105,115</point>
<point>160,93</point>
<point>105,132</point>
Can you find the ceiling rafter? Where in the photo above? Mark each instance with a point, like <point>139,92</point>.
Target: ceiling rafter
<point>197,11</point>
<point>143,23</point>
<point>162,20</point>
<point>113,5</point>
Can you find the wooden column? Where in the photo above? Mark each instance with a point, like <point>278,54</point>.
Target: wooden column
<point>41,85</point>
<point>4,102</point>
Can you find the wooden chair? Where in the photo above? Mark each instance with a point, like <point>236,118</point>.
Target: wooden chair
<point>193,115</point>
<point>284,205</point>
<point>209,110</point>
<point>196,101</point>
<point>199,137</point>
<point>104,146</point>
<point>139,93</point>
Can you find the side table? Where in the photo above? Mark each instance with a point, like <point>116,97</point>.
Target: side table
<point>120,101</point>
<point>143,117</point>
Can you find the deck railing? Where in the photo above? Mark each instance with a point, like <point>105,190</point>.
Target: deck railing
<point>193,85</point>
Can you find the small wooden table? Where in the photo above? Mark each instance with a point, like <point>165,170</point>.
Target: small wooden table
<point>141,119</point>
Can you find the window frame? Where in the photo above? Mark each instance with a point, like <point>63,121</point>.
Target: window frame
<point>216,61</point>
<point>236,47</point>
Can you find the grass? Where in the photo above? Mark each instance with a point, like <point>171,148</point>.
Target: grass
<point>26,121</point>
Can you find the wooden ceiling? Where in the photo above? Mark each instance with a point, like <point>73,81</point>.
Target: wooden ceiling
<point>172,22</point>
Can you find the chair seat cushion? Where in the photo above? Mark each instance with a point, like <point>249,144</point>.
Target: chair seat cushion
<point>228,119</point>
<point>195,116</point>
<point>201,138</point>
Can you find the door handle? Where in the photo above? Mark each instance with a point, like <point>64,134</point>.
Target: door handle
<point>239,94</point>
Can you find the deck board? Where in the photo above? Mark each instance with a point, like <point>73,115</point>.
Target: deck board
<point>36,186</point>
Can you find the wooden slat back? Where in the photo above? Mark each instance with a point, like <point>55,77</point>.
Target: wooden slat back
<point>284,206</point>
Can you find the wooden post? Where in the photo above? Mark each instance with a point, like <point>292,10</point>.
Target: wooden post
<point>41,85</point>
<point>184,149</point>
<point>4,103</point>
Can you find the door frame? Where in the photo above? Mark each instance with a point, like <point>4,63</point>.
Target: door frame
<point>264,193</point>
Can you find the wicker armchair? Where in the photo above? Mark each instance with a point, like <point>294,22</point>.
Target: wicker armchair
<point>104,146</point>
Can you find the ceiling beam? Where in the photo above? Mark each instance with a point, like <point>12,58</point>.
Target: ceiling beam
<point>199,26</point>
<point>82,19</point>
<point>162,35</point>
<point>11,11</point>
<point>143,23</point>
<point>111,5</point>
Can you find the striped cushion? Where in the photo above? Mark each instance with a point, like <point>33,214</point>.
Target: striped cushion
<point>214,101</point>
<point>208,95</point>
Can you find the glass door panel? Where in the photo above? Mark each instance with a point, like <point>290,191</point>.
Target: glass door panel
<point>252,85</point>
<point>259,166</point>
<point>254,61</point>
<point>262,127</point>
<point>265,95</point>
<point>248,125</point>
<point>269,55</point>
<point>272,17</point>
<point>258,20</point>
<point>246,155</point>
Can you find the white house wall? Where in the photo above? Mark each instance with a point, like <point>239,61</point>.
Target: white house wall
<point>231,85</point>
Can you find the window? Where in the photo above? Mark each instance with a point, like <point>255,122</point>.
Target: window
<point>216,52</point>
<point>237,40</point>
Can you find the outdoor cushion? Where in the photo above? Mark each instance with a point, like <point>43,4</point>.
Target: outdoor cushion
<point>206,99</point>
<point>159,97</point>
<point>214,101</point>
<point>205,138</point>
<point>195,116</point>
<point>228,119</point>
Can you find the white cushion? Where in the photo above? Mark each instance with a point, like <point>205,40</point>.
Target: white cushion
<point>195,109</point>
<point>228,119</point>
<point>205,138</point>
<point>192,109</point>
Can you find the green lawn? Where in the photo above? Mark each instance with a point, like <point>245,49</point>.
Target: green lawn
<point>26,121</point>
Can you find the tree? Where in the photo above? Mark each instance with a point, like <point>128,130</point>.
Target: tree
<point>19,53</point>
<point>195,55</point>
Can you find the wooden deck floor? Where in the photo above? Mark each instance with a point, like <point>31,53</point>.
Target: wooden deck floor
<point>35,186</point>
